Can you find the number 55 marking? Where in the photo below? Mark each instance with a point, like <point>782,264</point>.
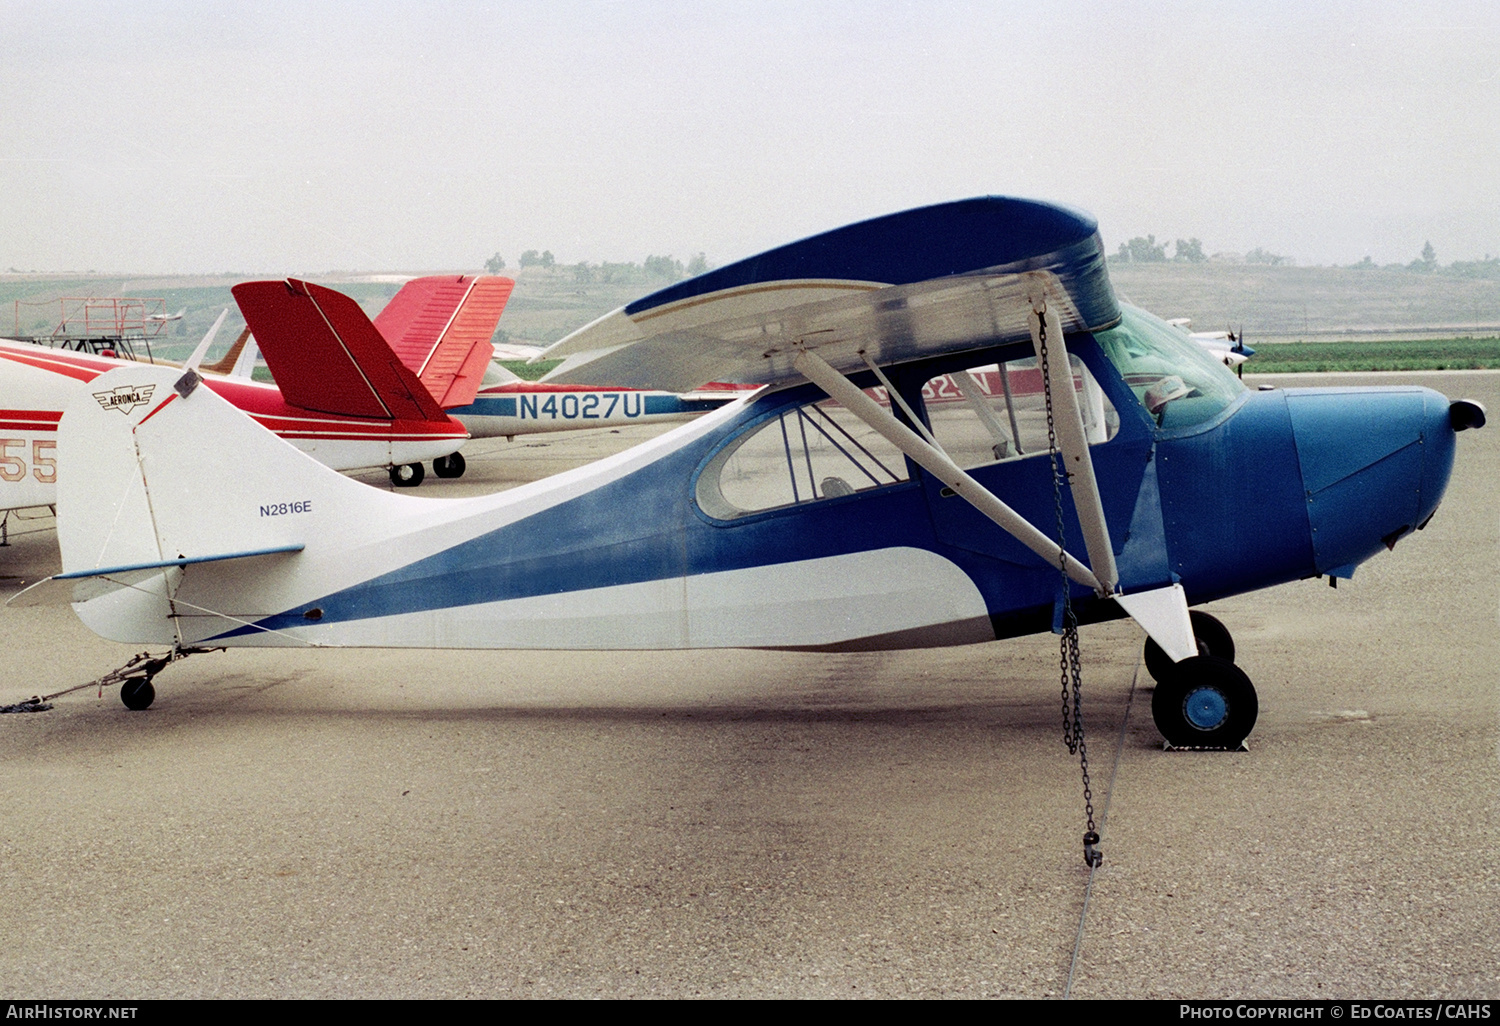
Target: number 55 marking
<point>13,467</point>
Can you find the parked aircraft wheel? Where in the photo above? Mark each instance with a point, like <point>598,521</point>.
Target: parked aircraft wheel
<point>449,466</point>
<point>1213,639</point>
<point>137,693</point>
<point>407,475</point>
<point>1206,702</point>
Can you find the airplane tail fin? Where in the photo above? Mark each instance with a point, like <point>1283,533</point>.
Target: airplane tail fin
<point>440,326</point>
<point>226,363</point>
<point>169,542</point>
<point>326,355</point>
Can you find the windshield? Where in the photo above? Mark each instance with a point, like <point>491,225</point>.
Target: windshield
<point>1175,379</point>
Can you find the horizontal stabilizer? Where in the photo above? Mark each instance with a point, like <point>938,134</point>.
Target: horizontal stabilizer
<point>326,355</point>
<point>440,326</point>
<point>940,279</point>
<point>161,564</point>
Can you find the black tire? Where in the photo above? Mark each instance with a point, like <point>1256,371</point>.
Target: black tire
<point>1206,702</point>
<point>452,465</point>
<point>1213,639</point>
<point>407,475</point>
<point>137,693</point>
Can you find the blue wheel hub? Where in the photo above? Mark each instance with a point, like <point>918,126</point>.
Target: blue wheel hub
<point>1205,708</point>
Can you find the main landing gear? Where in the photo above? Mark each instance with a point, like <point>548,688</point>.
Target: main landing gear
<point>409,475</point>
<point>1204,701</point>
<point>449,466</point>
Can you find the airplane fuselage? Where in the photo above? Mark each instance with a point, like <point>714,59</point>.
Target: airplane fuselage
<point>667,546</point>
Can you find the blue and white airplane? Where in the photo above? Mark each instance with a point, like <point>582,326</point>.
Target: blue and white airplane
<point>891,486</point>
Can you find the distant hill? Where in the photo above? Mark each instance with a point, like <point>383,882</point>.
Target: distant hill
<point>1289,303</point>
<point>1272,303</point>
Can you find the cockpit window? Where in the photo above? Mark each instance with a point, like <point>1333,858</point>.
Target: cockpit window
<point>999,411</point>
<point>805,454</point>
<point>1177,382</point>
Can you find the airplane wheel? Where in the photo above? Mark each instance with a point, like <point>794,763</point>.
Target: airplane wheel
<point>1206,702</point>
<point>137,693</point>
<point>407,475</point>
<point>1210,634</point>
<point>449,466</point>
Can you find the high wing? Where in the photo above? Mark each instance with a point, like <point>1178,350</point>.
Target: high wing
<point>921,283</point>
<point>326,355</point>
<point>440,326</point>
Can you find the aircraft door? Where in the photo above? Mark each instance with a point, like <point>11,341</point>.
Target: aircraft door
<point>991,419</point>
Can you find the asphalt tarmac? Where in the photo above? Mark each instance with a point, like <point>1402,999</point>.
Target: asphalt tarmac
<point>752,824</point>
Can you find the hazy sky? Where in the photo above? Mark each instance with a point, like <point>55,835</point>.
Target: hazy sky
<point>302,136</point>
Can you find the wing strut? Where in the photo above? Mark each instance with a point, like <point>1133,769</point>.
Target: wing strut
<point>936,463</point>
<point>1074,444</point>
<point>1161,612</point>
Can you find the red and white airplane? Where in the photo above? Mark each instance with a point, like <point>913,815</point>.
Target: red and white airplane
<point>411,386</point>
<point>341,395</point>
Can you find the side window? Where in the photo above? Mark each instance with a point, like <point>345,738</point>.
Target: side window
<point>804,454</point>
<point>999,412</point>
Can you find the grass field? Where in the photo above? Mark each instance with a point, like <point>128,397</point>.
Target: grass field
<point>1424,354</point>
<point>529,371</point>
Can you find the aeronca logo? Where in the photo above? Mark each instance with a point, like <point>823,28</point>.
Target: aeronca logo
<point>125,398</point>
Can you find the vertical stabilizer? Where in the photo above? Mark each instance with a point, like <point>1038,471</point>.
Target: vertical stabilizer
<point>326,355</point>
<point>440,326</point>
<point>144,480</point>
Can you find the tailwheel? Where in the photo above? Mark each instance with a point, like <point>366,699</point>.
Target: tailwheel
<point>1213,639</point>
<point>407,475</point>
<point>1205,702</point>
<point>449,466</point>
<point>137,693</point>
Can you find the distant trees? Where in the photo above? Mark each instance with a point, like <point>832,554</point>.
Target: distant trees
<point>607,272</point>
<point>663,267</point>
<point>1142,251</point>
<point>1146,250</point>
<point>1489,267</point>
<point>1189,252</point>
<point>1261,256</point>
<point>1427,262</point>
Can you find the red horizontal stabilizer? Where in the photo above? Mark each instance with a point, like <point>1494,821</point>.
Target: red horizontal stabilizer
<point>326,355</point>
<point>440,326</point>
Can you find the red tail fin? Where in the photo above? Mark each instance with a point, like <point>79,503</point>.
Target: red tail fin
<point>326,355</point>
<point>440,327</point>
